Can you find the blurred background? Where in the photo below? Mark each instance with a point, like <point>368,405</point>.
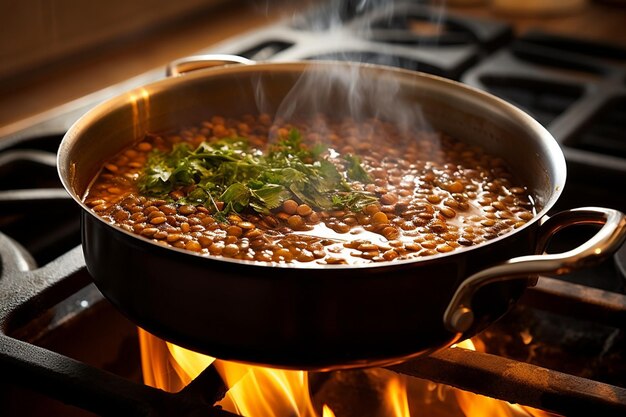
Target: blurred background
<point>54,51</point>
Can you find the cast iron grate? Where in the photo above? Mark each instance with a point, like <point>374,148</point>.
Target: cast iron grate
<point>34,207</point>
<point>583,84</point>
<point>545,101</point>
<point>414,36</point>
<point>576,46</point>
<point>427,27</point>
<point>605,131</point>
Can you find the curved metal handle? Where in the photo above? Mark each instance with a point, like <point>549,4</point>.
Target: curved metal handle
<point>459,316</point>
<point>196,62</point>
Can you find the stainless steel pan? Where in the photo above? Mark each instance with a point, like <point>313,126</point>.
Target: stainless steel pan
<point>331,316</point>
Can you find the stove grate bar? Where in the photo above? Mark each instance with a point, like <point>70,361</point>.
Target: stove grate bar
<point>518,382</point>
<point>105,393</point>
<point>577,301</point>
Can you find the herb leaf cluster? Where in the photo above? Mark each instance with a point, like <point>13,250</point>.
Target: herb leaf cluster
<point>228,170</point>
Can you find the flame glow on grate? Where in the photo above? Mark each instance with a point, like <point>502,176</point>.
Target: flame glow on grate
<point>265,392</point>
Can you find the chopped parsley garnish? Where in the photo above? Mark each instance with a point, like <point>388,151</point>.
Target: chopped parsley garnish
<point>229,171</point>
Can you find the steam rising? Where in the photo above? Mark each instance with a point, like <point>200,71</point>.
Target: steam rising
<point>349,90</point>
<point>334,14</point>
<point>343,89</point>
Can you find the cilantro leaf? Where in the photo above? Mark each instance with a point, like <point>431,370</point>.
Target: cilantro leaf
<point>227,170</point>
<point>236,197</point>
<point>355,170</point>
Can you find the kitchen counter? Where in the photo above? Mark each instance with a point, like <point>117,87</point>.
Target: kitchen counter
<point>61,82</point>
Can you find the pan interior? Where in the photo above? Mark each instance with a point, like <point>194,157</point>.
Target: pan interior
<point>301,89</point>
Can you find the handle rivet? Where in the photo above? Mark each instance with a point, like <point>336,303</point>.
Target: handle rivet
<point>462,319</point>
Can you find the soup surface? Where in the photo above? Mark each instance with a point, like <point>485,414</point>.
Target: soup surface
<point>331,192</point>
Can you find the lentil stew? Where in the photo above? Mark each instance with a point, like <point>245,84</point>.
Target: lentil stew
<point>384,193</point>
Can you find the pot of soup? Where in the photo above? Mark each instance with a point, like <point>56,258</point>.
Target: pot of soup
<point>318,215</point>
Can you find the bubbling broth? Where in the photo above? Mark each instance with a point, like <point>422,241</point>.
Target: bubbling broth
<point>330,192</point>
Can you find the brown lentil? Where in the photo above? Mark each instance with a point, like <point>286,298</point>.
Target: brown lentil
<point>380,218</point>
<point>304,210</point>
<point>290,206</point>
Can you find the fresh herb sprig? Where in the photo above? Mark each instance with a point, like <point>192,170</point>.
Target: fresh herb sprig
<point>227,170</point>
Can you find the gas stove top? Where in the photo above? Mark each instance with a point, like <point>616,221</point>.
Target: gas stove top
<point>69,352</point>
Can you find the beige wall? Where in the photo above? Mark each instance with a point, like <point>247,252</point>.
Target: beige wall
<point>35,32</point>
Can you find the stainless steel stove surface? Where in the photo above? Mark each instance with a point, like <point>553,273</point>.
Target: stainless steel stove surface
<point>64,350</point>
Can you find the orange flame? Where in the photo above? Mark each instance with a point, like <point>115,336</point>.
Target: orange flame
<point>474,405</point>
<point>397,397</point>
<point>253,391</point>
<point>265,392</point>
<point>327,412</point>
